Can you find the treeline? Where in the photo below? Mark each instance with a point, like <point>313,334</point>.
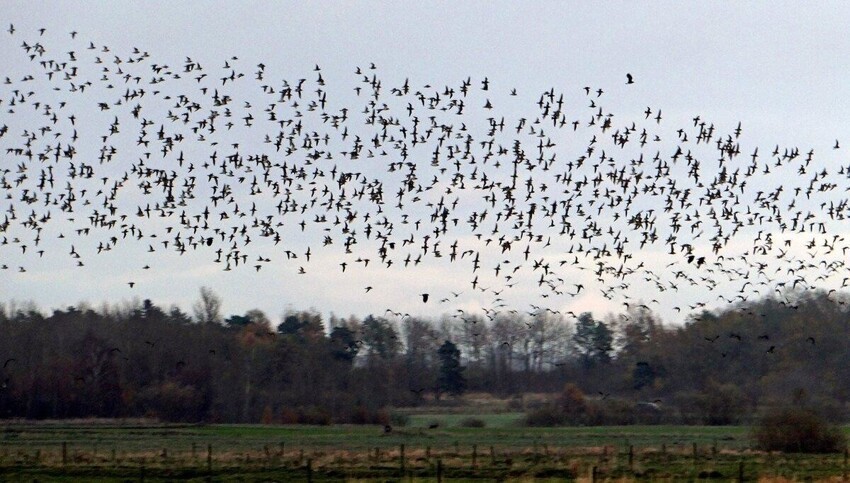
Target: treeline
<point>143,360</point>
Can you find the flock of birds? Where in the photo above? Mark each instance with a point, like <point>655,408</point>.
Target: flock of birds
<point>102,149</point>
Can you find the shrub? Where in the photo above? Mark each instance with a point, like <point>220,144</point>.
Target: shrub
<point>314,415</point>
<point>174,402</point>
<point>267,417</point>
<point>797,431</point>
<point>516,403</point>
<point>288,416</point>
<point>472,422</point>
<point>545,416</point>
<point>399,419</point>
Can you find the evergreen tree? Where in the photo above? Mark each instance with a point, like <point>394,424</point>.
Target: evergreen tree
<point>451,378</point>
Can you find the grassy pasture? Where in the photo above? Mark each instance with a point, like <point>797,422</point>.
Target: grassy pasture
<point>136,450</point>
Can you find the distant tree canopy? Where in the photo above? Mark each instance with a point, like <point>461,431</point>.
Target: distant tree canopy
<point>143,359</point>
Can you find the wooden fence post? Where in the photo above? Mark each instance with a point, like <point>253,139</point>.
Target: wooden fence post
<point>631,457</point>
<point>439,471</point>
<point>209,458</point>
<point>401,459</point>
<point>64,453</point>
<point>309,470</point>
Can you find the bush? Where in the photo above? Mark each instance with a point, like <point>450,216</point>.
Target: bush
<point>314,415</point>
<point>288,416</point>
<point>399,419</point>
<point>545,416</point>
<point>798,431</point>
<point>516,403</point>
<point>471,422</point>
<point>173,402</point>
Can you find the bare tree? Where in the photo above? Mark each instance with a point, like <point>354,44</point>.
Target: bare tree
<point>208,309</point>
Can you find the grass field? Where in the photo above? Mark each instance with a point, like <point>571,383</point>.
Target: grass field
<point>502,450</point>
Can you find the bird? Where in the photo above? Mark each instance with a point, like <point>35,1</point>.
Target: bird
<point>438,190</point>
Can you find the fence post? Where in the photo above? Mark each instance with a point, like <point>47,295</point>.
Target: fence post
<point>695,451</point>
<point>631,457</point>
<point>401,458</point>
<point>844,468</point>
<point>439,471</point>
<point>474,454</point>
<point>492,456</point>
<point>741,471</point>
<point>309,470</point>
<point>209,458</point>
<point>593,475</point>
<point>64,453</point>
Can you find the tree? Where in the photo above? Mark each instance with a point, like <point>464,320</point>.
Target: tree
<point>302,326</point>
<point>380,338</point>
<point>343,345</point>
<point>208,309</point>
<point>593,340</point>
<point>583,337</point>
<point>603,343</point>
<point>451,378</point>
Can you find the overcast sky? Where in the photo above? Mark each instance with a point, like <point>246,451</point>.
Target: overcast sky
<point>781,68</point>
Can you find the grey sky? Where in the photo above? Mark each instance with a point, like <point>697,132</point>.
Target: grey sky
<point>778,67</point>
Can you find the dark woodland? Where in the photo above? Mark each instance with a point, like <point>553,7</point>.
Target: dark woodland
<point>144,360</point>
